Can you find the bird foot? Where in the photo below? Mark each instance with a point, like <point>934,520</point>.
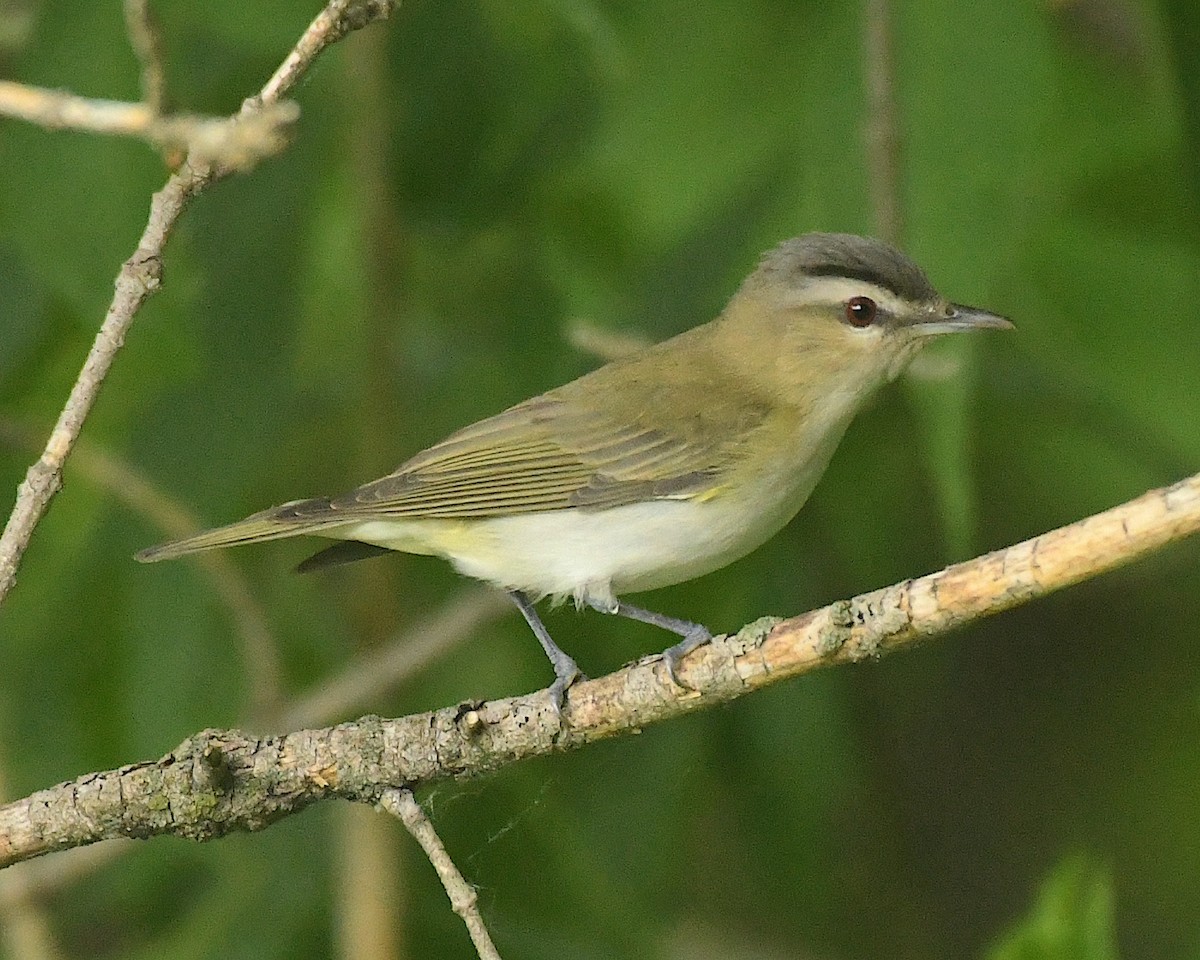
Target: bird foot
<point>698,636</point>
<point>566,675</point>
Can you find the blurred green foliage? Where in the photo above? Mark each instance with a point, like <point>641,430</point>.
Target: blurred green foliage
<point>469,180</point>
<point>1071,920</point>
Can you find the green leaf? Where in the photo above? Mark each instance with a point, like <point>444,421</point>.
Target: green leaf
<point>1071,920</point>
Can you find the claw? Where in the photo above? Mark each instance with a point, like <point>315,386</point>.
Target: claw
<point>698,636</point>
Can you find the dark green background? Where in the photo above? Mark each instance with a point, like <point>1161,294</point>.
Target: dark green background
<point>468,181</point>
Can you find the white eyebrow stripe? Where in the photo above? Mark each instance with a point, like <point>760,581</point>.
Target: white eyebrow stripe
<point>835,290</point>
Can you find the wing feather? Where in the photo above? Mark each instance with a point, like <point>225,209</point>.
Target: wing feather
<point>664,433</point>
<point>546,455</point>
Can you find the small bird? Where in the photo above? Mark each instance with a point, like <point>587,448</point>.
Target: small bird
<point>656,468</point>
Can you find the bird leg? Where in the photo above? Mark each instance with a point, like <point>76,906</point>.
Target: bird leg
<point>566,671</point>
<point>694,634</point>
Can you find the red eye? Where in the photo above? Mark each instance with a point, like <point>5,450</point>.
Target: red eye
<point>861,311</point>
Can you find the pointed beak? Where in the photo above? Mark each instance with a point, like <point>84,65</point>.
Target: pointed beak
<point>956,317</point>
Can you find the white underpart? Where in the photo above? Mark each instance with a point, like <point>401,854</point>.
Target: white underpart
<point>595,555</point>
<point>588,555</point>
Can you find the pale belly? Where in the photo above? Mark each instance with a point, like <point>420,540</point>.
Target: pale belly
<point>595,555</point>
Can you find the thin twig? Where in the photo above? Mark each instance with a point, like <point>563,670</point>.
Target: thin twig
<point>223,781</point>
<point>235,143</point>
<point>401,803</point>
<point>259,647</point>
<point>362,681</point>
<point>27,934</point>
<point>146,40</point>
<point>339,18</point>
<point>881,131</point>
<point>141,275</point>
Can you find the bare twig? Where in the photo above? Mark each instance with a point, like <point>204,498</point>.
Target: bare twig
<point>25,933</point>
<point>260,650</point>
<point>362,680</point>
<point>339,18</point>
<point>401,803</point>
<point>881,131</point>
<point>146,40</point>
<point>235,143</point>
<point>223,781</point>
<point>141,275</point>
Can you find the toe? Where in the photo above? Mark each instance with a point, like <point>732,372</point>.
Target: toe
<point>566,674</point>
<point>673,656</point>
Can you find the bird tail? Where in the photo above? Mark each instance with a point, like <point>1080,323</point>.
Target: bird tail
<point>273,524</point>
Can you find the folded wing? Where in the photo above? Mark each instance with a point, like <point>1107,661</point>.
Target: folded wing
<point>544,454</point>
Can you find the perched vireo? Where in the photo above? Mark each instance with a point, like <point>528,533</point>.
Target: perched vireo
<point>658,467</point>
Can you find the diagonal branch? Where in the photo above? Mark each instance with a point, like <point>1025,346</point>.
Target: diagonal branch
<point>463,899</point>
<point>373,673</point>
<point>223,781</point>
<point>141,275</point>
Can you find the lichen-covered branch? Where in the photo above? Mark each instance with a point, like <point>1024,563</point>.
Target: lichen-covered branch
<point>225,780</point>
